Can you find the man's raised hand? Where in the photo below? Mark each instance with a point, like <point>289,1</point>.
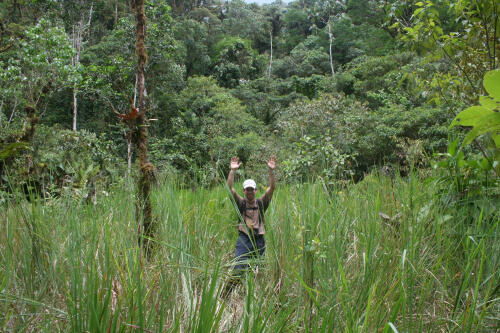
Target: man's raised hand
<point>272,162</point>
<point>235,163</point>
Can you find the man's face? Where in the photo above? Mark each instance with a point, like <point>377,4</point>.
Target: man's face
<point>249,193</point>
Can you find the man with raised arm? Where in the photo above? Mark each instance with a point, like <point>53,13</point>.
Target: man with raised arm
<point>251,242</point>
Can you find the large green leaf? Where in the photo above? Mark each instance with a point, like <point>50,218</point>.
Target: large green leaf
<point>496,139</point>
<point>492,83</point>
<point>489,123</point>
<point>470,116</point>
<point>489,102</point>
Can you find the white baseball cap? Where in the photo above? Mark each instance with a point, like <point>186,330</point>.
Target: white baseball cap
<point>249,183</point>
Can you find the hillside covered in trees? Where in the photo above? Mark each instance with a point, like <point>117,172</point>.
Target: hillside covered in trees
<point>332,88</point>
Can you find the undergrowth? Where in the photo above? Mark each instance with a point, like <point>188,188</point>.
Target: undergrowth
<point>383,255</point>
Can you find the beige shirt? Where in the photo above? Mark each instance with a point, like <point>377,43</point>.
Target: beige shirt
<point>250,216</point>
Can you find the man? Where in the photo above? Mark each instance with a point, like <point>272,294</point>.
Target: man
<point>251,242</point>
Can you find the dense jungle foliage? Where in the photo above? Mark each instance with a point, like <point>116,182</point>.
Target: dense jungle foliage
<point>332,88</point>
<point>383,116</point>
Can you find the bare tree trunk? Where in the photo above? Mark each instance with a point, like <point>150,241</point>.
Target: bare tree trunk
<point>130,152</point>
<point>77,45</point>
<point>147,171</point>
<point>13,112</point>
<point>90,14</point>
<point>116,13</point>
<point>135,89</point>
<point>270,60</point>
<point>77,42</point>
<point>330,35</point>
<point>75,108</point>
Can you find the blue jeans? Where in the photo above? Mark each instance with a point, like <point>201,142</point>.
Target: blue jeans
<point>248,248</point>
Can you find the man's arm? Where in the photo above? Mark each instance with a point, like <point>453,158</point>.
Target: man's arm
<point>230,178</point>
<point>271,164</point>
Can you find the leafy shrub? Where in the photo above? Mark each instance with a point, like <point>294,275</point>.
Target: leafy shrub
<point>344,82</point>
<point>62,161</point>
<point>182,150</point>
<point>306,59</point>
<point>331,114</point>
<point>465,180</point>
<point>266,98</point>
<point>235,60</point>
<point>308,86</point>
<point>374,137</point>
<point>380,81</point>
<point>422,123</point>
<point>317,157</point>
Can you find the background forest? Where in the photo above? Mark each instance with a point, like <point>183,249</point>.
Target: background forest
<point>383,115</point>
<point>332,88</point>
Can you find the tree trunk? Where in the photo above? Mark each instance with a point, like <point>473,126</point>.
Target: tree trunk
<point>116,13</point>
<point>27,134</point>
<point>330,35</point>
<point>77,45</point>
<point>75,108</point>
<point>147,171</point>
<point>130,151</point>
<point>271,59</point>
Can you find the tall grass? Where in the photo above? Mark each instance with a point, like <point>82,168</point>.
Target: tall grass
<point>379,256</point>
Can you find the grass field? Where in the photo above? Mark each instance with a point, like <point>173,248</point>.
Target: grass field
<point>383,255</point>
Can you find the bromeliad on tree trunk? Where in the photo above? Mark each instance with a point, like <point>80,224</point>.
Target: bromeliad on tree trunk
<point>147,170</point>
<point>137,135</point>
